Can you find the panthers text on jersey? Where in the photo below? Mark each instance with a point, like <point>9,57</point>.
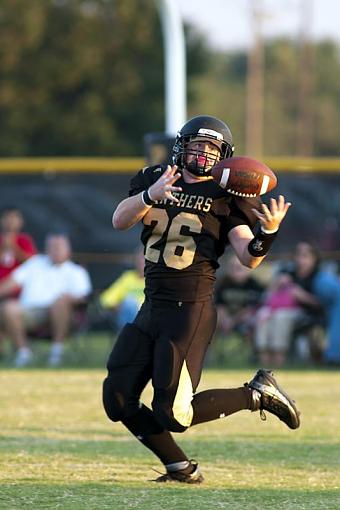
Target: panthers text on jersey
<point>184,240</point>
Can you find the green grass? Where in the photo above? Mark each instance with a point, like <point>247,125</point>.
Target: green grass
<point>59,451</point>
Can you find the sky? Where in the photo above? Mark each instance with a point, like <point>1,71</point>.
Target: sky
<point>227,23</point>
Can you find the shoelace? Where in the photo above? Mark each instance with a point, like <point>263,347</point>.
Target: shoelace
<point>162,478</point>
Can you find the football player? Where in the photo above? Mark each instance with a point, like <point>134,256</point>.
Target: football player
<point>188,220</point>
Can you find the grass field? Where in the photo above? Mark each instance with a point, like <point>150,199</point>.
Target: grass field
<point>59,451</point>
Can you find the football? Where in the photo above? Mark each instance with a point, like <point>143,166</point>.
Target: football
<point>243,176</point>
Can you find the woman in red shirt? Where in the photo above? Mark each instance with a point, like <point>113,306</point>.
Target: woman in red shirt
<point>15,246</point>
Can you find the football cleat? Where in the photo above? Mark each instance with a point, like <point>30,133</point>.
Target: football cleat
<point>268,396</point>
<point>179,476</point>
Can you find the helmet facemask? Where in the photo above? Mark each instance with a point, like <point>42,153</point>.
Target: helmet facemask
<point>204,160</point>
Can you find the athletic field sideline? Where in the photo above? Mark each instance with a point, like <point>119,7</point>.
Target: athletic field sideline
<point>59,451</point>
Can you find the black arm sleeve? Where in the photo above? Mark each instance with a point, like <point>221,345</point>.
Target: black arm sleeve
<point>260,244</point>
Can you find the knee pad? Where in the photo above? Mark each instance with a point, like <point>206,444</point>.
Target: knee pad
<point>122,387</point>
<point>113,400</point>
<point>164,414</point>
<point>174,391</point>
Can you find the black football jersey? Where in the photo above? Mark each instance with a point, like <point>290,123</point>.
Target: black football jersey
<point>184,240</point>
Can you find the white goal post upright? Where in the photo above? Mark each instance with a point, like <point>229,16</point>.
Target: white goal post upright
<point>175,66</point>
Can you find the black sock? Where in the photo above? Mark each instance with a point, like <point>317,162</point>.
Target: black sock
<point>212,404</point>
<point>148,431</point>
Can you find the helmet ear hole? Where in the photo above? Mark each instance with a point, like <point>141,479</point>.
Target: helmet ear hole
<point>229,151</point>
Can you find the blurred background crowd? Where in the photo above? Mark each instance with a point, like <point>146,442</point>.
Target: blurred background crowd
<point>84,80</point>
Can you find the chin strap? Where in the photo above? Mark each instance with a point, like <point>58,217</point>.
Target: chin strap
<point>193,168</point>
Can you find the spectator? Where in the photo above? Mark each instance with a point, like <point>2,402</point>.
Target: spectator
<point>51,286</point>
<point>276,319</point>
<point>300,298</point>
<point>15,246</point>
<point>124,297</point>
<point>325,286</point>
<point>237,297</point>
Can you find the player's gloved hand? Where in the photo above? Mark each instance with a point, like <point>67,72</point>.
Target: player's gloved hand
<point>164,186</point>
<point>271,217</point>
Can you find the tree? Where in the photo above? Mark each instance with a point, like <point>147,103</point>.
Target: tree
<point>221,92</point>
<point>327,93</point>
<point>81,76</point>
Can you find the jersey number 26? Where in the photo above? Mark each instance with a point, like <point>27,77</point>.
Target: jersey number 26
<point>179,249</point>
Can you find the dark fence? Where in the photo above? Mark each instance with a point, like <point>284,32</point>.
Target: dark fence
<point>81,202</point>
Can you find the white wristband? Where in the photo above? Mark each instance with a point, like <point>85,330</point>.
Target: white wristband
<point>266,231</point>
<point>142,197</point>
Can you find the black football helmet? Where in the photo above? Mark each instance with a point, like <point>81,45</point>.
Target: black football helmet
<point>206,128</point>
